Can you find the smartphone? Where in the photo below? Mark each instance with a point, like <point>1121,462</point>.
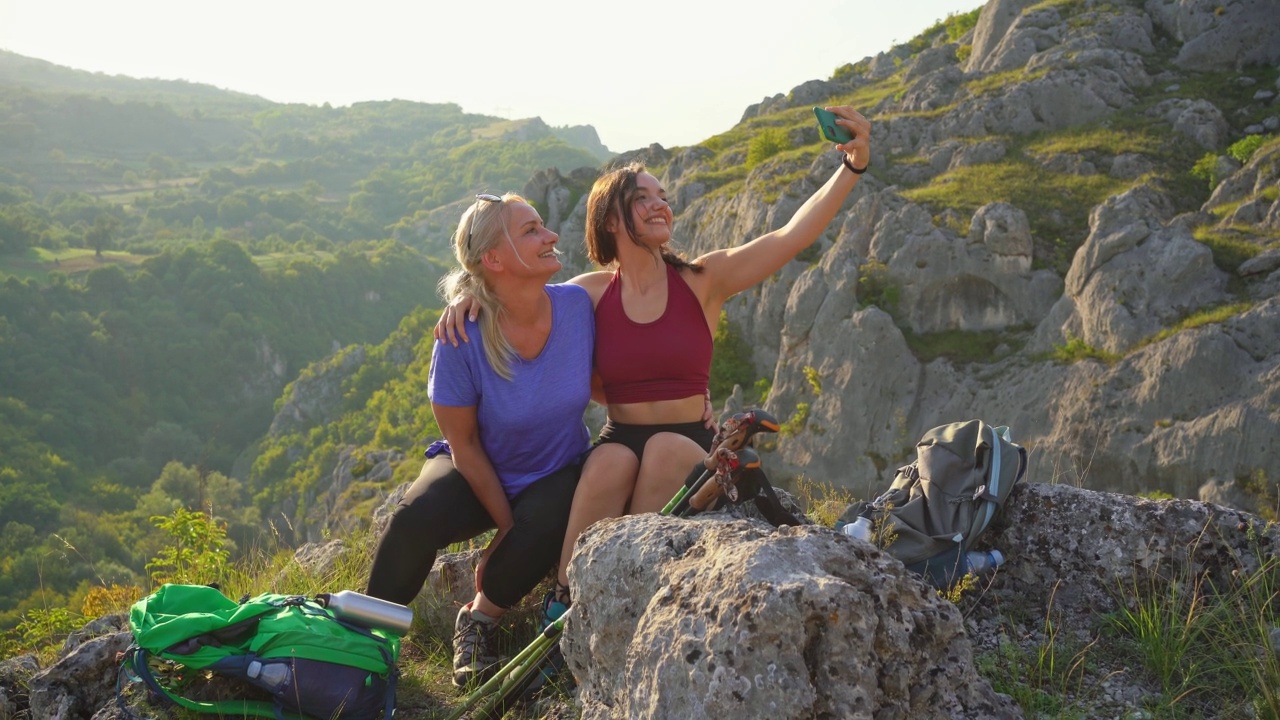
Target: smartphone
<point>830,130</point>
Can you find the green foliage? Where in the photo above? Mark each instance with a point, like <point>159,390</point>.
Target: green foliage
<point>1076,349</point>
<point>823,503</point>
<point>761,389</point>
<point>957,24</point>
<point>953,27</point>
<point>812,377</point>
<point>1202,642</point>
<point>1242,150</point>
<point>1231,246</point>
<point>960,346</point>
<point>44,628</point>
<point>384,404</point>
<point>1265,492</point>
<point>765,144</point>
<point>1104,141</point>
<point>197,554</point>
<point>1200,318</point>
<point>1045,681</point>
<point>877,287</point>
<point>795,423</point>
<point>1206,169</point>
<point>730,360</point>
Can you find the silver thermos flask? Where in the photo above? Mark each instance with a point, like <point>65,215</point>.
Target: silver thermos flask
<point>368,611</point>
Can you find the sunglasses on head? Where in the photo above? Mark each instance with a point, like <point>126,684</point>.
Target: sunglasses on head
<point>487,197</point>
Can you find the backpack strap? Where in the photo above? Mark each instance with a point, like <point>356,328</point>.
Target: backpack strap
<point>993,488</point>
<point>992,491</point>
<point>137,657</point>
<point>770,506</point>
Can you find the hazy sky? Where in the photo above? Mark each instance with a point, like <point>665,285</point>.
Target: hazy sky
<point>659,71</point>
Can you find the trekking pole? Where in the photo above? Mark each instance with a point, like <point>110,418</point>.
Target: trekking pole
<point>734,435</point>
<point>514,677</point>
<point>725,478</point>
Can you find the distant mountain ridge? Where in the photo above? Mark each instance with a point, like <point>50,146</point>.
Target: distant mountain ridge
<point>42,75</point>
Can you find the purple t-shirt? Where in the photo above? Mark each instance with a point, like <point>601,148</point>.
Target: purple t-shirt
<point>532,425</point>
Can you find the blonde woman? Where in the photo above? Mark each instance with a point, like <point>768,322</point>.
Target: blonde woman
<point>510,406</point>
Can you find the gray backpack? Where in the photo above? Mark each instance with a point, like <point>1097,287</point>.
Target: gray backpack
<point>940,504</point>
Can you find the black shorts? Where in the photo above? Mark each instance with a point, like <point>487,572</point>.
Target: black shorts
<point>635,436</point>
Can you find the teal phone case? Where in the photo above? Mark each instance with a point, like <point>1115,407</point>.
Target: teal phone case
<point>830,130</point>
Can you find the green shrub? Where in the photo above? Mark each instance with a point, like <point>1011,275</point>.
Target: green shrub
<point>198,554</point>
<point>876,287</point>
<point>1206,168</point>
<point>1076,349</point>
<point>730,360</point>
<point>957,24</point>
<point>1244,149</point>
<point>796,422</point>
<point>765,144</point>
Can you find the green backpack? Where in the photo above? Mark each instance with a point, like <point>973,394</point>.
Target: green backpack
<point>310,662</point>
<point>940,504</point>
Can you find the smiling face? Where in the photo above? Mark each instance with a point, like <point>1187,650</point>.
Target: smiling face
<point>626,205</point>
<point>526,247</point>
<point>651,216</point>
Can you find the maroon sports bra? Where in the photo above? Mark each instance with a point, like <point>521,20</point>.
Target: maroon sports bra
<point>667,359</point>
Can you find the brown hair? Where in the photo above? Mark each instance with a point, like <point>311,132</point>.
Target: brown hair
<point>616,191</point>
<point>479,230</point>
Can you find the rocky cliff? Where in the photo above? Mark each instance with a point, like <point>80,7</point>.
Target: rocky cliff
<point>1163,398</point>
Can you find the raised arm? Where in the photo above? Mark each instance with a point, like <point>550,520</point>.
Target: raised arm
<point>452,325</point>
<point>735,269</point>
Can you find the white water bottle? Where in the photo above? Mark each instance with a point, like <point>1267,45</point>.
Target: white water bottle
<point>984,560</point>
<point>368,611</point>
<point>860,528</point>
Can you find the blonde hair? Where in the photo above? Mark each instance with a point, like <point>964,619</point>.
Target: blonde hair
<point>479,230</point>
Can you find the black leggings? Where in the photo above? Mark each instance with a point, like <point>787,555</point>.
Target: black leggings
<point>440,509</point>
<point>636,436</point>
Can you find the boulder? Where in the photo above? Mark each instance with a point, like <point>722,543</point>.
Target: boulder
<point>82,680</point>
<point>1132,276</point>
<point>715,618</point>
<point>706,618</point>
<point>1226,35</point>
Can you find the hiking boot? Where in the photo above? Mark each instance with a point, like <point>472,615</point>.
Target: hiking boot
<point>552,609</point>
<point>475,648</point>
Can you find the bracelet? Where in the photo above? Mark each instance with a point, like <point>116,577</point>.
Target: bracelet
<point>845,159</point>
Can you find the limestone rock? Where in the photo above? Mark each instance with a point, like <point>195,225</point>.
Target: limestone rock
<point>1198,120</point>
<point>1132,277</point>
<point>1069,549</point>
<point>15,677</point>
<point>703,618</point>
<point>1221,35</point>
<point>81,681</point>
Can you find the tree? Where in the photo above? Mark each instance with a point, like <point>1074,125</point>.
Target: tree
<point>100,236</point>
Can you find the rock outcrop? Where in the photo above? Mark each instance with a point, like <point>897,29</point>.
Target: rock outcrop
<point>704,618</point>
<point>716,618</point>
<point>722,616</point>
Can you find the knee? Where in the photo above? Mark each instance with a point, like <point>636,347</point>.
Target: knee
<point>610,469</point>
<point>410,528</point>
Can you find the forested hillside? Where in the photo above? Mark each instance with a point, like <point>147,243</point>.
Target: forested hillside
<point>171,257</point>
